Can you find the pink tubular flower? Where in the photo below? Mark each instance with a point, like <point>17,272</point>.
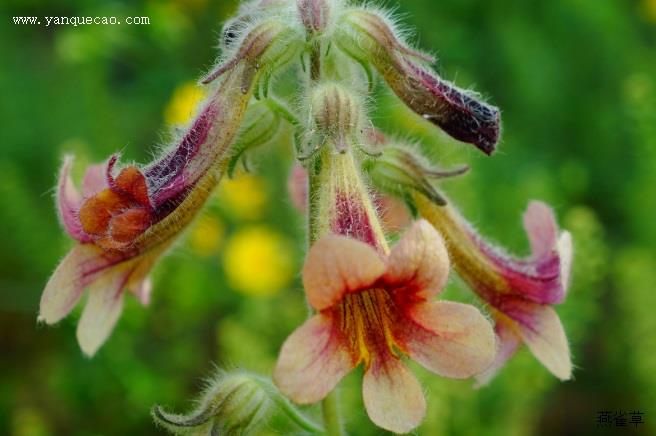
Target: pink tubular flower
<point>373,307</point>
<point>520,292</point>
<point>124,220</point>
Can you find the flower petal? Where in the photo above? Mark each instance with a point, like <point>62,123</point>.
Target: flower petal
<point>419,262</point>
<point>450,339</point>
<point>68,203</point>
<point>336,265</point>
<point>541,228</point>
<point>541,329</point>
<point>508,341</point>
<point>66,284</point>
<point>312,361</point>
<point>142,289</point>
<point>392,395</point>
<point>95,179</point>
<point>102,310</point>
<point>565,251</point>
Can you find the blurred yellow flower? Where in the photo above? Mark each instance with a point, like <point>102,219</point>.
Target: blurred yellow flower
<point>244,196</point>
<point>183,103</point>
<point>207,235</point>
<point>258,261</point>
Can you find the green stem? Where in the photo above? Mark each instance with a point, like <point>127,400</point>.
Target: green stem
<point>295,415</point>
<point>331,415</point>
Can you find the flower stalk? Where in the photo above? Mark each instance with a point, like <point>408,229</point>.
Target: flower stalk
<point>313,14</point>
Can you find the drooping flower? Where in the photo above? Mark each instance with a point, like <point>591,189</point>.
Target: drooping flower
<point>370,37</point>
<point>519,292</point>
<point>375,306</point>
<point>125,219</point>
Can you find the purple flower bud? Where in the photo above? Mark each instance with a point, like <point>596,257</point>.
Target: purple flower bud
<point>368,37</point>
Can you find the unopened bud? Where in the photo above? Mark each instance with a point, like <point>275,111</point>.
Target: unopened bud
<point>337,114</point>
<point>369,38</point>
<point>235,403</point>
<point>314,14</point>
<point>264,47</point>
<point>399,170</point>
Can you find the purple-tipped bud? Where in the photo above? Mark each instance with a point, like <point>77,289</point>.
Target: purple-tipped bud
<point>314,14</point>
<point>367,36</point>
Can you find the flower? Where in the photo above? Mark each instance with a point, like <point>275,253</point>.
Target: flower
<point>244,196</point>
<point>519,292</point>
<point>373,308</point>
<point>124,220</point>
<point>258,261</point>
<point>207,235</point>
<point>370,38</point>
<point>123,224</point>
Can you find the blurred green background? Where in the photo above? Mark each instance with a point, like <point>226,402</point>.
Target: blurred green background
<point>576,80</point>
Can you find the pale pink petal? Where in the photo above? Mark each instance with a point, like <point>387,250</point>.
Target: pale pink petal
<point>95,179</point>
<point>66,284</point>
<point>337,265</point>
<point>312,361</point>
<point>142,289</point>
<point>541,329</point>
<point>508,341</point>
<point>140,284</point>
<point>541,227</point>
<point>102,310</point>
<point>450,339</point>
<point>565,251</point>
<point>392,395</point>
<point>419,262</point>
<point>68,202</point>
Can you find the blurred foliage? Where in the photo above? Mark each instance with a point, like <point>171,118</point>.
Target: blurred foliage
<point>576,82</point>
